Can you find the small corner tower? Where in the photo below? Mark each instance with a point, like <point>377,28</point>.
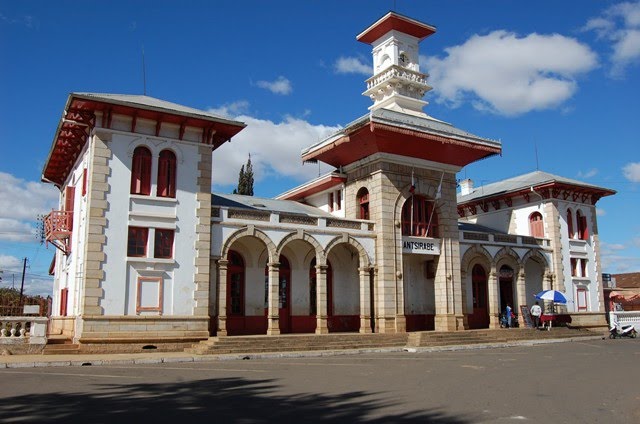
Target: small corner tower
<point>397,82</point>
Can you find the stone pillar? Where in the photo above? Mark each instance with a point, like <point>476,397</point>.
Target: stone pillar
<point>494,304</point>
<point>463,298</point>
<point>365,296</point>
<point>273,314</point>
<point>203,234</point>
<point>321,300</point>
<point>521,291</point>
<point>222,297</point>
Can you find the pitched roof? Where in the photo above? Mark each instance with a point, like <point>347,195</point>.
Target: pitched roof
<point>265,204</point>
<point>628,280</point>
<point>532,179</point>
<point>152,103</point>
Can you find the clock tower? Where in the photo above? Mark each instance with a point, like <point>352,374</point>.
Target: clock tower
<point>397,82</point>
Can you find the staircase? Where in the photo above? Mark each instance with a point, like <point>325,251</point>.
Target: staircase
<point>60,345</point>
<point>470,337</point>
<point>297,343</point>
<point>354,341</point>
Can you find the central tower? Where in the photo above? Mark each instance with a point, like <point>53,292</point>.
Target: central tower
<point>397,82</point>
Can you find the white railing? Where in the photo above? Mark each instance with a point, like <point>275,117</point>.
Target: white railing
<point>23,330</point>
<point>626,318</point>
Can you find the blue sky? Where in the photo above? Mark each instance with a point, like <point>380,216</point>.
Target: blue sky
<point>561,78</point>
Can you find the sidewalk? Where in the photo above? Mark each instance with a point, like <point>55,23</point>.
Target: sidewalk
<point>39,361</point>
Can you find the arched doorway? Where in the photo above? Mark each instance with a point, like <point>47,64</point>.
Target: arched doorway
<point>480,316</point>
<point>236,294</point>
<point>284,295</point>
<point>506,288</point>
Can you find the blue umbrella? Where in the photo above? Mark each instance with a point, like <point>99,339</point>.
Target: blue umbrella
<point>553,295</point>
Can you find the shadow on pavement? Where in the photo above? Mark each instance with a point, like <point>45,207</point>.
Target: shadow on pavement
<point>230,400</point>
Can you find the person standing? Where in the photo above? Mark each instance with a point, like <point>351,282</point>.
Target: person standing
<point>536,311</point>
<point>509,314</point>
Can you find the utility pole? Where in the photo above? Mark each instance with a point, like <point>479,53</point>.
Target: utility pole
<point>24,268</point>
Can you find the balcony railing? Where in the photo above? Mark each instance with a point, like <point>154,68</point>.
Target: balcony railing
<point>58,226</point>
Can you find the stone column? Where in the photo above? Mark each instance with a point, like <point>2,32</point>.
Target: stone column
<point>273,314</point>
<point>321,300</point>
<point>463,298</point>
<point>494,304</point>
<point>365,296</point>
<point>222,297</point>
<point>521,291</point>
<point>203,234</point>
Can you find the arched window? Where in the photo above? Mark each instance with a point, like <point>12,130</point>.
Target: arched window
<point>570,224</point>
<point>583,231</point>
<point>536,225</point>
<point>363,202</point>
<point>235,284</point>
<point>419,217</point>
<point>141,171</point>
<point>167,174</point>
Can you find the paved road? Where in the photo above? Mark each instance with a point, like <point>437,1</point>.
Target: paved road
<point>579,382</point>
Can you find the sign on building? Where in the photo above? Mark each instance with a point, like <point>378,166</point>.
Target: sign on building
<point>421,245</point>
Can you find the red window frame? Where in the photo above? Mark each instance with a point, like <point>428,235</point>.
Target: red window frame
<point>536,225</point>
<point>583,230</point>
<point>167,174</point>
<point>574,267</point>
<point>570,224</point>
<point>141,171</point>
<point>416,224</point>
<point>581,299</point>
<point>330,201</point>
<point>84,182</point>
<point>163,244</point>
<point>363,201</point>
<point>137,242</point>
<point>64,299</point>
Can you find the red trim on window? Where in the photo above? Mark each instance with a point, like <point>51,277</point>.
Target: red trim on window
<point>141,171</point>
<point>363,201</point>
<point>416,224</point>
<point>581,299</point>
<point>167,174</point>
<point>574,267</point>
<point>64,296</point>
<point>163,244</point>
<point>137,242</point>
<point>330,201</point>
<point>149,308</point>
<point>570,224</point>
<point>536,225</point>
<point>84,182</point>
<point>235,284</point>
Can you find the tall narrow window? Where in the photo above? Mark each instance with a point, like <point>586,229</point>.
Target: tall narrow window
<point>574,267</point>
<point>141,171</point>
<point>163,245</point>
<point>536,225</point>
<point>583,268</point>
<point>235,284</point>
<point>419,217</point>
<point>330,201</point>
<point>570,223</point>
<point>137,241</point>
<point>583,231</point>
<point>581,298</point>
<point>84,182</point>
<point>338,200</point>
<point>363,201</point>
<point>167,174</point>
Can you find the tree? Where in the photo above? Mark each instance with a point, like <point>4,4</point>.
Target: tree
<point>245,179</point>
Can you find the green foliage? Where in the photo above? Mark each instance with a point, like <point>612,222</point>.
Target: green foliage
<point>10,296</point>
<point>245,180</point>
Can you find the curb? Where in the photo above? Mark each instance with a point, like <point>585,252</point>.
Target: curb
<point>137,359</point>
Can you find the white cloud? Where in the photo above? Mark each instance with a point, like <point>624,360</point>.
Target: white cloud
<point>631,172</point>
<point>279,86</point>
<point>590,173</point>
<point>232,109</point>
<point>28,199</point>
<point>352,65</point>
<point>9,263</point>
<point>274,147</point>
<point>510,75</point>
<point>620,25</point>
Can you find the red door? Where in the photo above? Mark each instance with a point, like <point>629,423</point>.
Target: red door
<point>284,295</point>
<point>480,316</point>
